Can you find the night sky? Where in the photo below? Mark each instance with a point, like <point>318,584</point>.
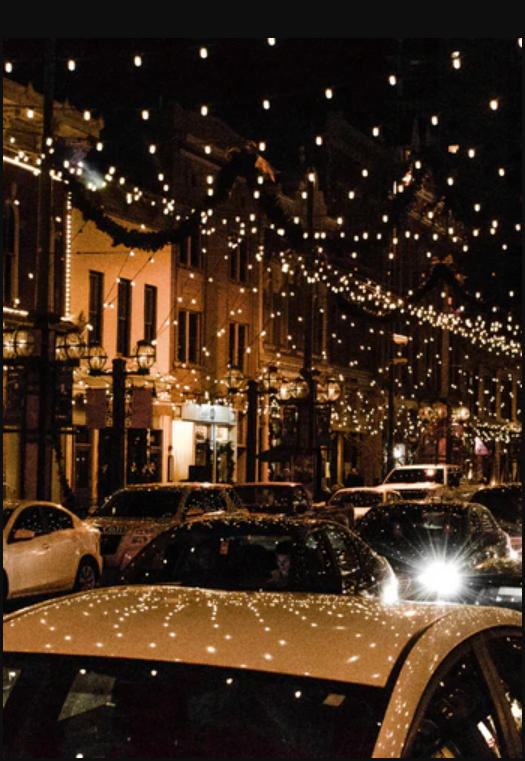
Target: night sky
<point>237,75</point>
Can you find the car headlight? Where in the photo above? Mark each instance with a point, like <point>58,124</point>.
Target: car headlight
<point>442,578</point>
<point>390,591</point>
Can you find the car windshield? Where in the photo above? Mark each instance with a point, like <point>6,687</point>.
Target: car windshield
<point>273,497</point>
<point>356,499</point>
<point>68,707</point>
<point>414,524</point>
<point>7,514</point>
<point>416,475</point>
<point>141,504</point>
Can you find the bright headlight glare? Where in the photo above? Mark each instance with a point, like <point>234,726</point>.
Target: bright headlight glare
<point>390,592</point>
<point>441,578</point>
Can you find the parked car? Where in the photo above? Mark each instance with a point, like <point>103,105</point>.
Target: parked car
<point>433,546</point>
<point>496,581</point>
<point>505,503</point>
<point>240,553</point>
<point>275,497</point>
<point>417,482</point>
<point>132,516</point>
<point>47,549</point>
<point>355,501</point>
<point>168,672</point>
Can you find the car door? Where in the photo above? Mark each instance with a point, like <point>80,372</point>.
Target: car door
<point>29,562</point>
<point>65,547</point>
<point>467,709</point>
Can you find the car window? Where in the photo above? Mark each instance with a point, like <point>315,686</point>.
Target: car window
<point>457,718</point>
<point>30,519</point>
<point>150,503</point>
<point>505,504</point>
<point>416,475</point>
<point>344,551</point>
<point>66,707</point>
<point>205,501</point>
<point>57,520</point>
<point>507,654</point>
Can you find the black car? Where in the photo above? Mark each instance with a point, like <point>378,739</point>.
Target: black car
<point>242,553</point>
<point>435,547</point>
<point>505,503</point>
<point>495,582</point>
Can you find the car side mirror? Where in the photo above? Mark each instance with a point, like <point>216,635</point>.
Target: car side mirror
<point>23,535</point>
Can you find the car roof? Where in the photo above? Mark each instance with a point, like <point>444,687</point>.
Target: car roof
<point>174,485</point>
<point>275,484</point>
<point>415,505</point>
<point>242,519</point>
<point>14,504</point>
<point>328,637</point>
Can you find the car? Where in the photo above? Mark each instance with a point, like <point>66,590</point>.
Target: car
<point>433,546</point>
<point>133,515</point>
<point>275,497</point>
<point>498,581</point>
<point>505,503</point>
<point>47,549</point>
<point>420,481</point>
<point>239,552</point>
<point>173,672</point>
<point>357,500</point>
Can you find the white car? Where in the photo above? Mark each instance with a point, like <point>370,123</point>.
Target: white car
<point>47,549</point>
<point>361,499</point>
<point>132,516</point>
<point>422,481</point>
<point>171,672</point>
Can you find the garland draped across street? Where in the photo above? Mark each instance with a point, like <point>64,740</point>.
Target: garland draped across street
<point>247,164</point>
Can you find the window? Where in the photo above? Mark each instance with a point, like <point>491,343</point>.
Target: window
<point>238,344</point>
<point>150,313</point>
<point>191,252</point>
<point>124,318</point>
<point>507,653</point>
<point>190,331</point>
<point>459,719</point>
<point>57,520</point>
<point>10,246</point>
<point>30,519</point>
<point>96,306</point>
<point>239,262</point>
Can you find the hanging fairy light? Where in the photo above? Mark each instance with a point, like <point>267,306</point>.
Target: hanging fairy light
<point>71,65</point>
<point>203,52</point>
<point>8,67</point>
<point>494,104</point>
<point>137,61</point>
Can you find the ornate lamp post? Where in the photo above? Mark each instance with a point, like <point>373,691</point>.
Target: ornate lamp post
<point>144,356</point>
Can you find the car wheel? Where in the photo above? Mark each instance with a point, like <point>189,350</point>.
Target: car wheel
<point>87,576</point>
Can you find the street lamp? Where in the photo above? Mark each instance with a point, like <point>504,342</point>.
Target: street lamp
<point>395,359</point>
<point>144,356</point>
<point>34,357</point>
